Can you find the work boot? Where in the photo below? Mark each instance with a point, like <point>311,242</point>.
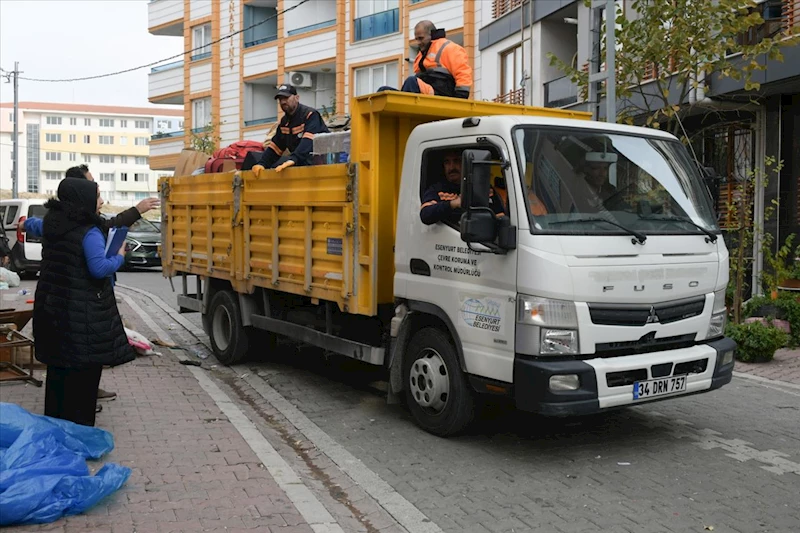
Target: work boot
<point>106,395</point>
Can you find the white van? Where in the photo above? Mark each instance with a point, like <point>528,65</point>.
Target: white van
<point>26,251</point>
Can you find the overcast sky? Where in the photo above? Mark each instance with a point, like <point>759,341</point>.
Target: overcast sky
<point>58,39</point>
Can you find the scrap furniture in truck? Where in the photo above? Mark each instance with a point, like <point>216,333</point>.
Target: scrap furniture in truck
<point>603,286</point>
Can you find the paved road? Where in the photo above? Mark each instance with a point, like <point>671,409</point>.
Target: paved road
<point>728,460</point>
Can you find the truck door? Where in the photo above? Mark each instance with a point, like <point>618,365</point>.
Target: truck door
<point>476,290</point>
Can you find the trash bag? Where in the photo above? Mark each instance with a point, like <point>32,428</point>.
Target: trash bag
<point>9,276</point>
<point>43,470</point>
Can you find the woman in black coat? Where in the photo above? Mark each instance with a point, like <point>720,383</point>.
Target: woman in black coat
<point>76,324</point>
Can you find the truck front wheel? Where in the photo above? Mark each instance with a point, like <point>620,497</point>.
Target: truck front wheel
<point>437,392</point>
<point>228,336</point>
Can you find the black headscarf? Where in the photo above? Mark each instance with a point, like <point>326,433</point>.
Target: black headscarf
<point>76,206</point>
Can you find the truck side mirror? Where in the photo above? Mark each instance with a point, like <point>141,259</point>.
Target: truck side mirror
<point>478,223</point>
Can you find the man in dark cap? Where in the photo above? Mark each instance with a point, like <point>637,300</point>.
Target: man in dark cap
<point>295,133</point>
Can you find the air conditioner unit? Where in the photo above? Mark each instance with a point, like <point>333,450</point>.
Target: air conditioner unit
<point>301,79</point>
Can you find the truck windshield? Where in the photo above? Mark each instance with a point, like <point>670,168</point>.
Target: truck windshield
<point>644,184</point>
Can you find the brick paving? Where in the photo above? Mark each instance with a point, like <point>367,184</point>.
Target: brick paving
<point>191,469</point>
<point>784,367</point>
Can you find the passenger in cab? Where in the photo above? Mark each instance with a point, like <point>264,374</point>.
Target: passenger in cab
<point>295,133</point>
<point>441,67</point>
<point>442,201</point>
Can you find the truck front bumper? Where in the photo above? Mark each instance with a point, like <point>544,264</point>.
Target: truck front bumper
<point>605,383</point>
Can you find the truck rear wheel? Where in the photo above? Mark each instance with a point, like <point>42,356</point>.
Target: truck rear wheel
<point>229,338</point>
<point>437,392</point>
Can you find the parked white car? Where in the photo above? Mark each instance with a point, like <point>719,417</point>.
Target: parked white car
<point>26,251</point>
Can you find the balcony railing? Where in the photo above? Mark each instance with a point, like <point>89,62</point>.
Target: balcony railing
<point>791,15</point>
<point>168,135</point>
<point>560,92</point>
<point>257,121</point>
<point>501,7</point>
<point>312,27</point>
<point>515,97</point>
<point>168,66</point>
<point>267,39</point>
<point>377,25</point>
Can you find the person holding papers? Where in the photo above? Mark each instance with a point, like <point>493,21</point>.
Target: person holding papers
<point>77,327</point>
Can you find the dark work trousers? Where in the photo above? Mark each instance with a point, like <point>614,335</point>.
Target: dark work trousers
<point>71,393</point>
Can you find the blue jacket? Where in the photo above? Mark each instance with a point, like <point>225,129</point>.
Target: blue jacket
<point>94,249</point>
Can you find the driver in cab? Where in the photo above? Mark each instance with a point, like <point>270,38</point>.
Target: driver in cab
<point>442,201</point>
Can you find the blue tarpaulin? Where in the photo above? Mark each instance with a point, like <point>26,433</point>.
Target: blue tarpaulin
<point>43,470</point>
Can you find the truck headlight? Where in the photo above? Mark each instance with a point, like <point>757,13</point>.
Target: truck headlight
<point>719,316</point>
<point>555,321</point>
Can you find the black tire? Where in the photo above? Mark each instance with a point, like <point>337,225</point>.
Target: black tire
<point>431,350</point>
<point>229,338</point>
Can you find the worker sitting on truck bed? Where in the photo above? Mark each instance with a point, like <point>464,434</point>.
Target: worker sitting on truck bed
<point>295,133</point>
<point>442,201</point>
<point>441,67</point>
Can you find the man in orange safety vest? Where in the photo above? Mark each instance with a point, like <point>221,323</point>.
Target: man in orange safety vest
<point>441,67</point>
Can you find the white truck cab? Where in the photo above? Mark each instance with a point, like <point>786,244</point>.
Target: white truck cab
<point>602,286</point>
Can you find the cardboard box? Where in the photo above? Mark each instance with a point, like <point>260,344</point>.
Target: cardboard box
<point>189,161</point>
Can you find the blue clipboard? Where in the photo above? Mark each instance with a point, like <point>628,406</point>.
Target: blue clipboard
<point>115,240</point>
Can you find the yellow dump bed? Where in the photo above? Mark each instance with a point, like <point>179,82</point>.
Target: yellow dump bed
<point>295,231</point>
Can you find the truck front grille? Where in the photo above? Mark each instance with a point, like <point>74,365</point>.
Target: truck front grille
<point>643,345</point>
<point>639,315</point>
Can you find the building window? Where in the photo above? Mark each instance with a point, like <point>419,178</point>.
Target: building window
<point>368,79</point>
<point>142,124</point>
<point>123,123</point>
<point>140,176</point>
<point>201,42</point>
<point>73,156</point>
<point>73,121</point>
<point>140,195</point>
<point>52,137</point>
<point>123,176</point>
<point>141,160</point>
<point>73,138</point>
<point>261,23</point>
<point>52,156</point>
<point>123,195</point>
<point>201,113</point>
<point>123,159</point>
<point>106,139</point>
<point>33,157</point>
<point>54,121</point>
<point>11,117</point>
<point>106,122</point>
<point>510,70</point>
<point>375,18</point>
<point>106,176</point>
<point>142,141</point>
<point>87,139</point>
<point>164,125</point>
<point>123,141</point>
<point>106,158</point>
<point>48,175</point>
<point>87,158</point>
<point>87,122</point>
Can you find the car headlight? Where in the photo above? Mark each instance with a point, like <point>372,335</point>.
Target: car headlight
<point>555,324</point>
<point>719,316</point>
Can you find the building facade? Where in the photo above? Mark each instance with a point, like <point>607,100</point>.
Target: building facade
<point>331,50</point>
<point>112,141</point>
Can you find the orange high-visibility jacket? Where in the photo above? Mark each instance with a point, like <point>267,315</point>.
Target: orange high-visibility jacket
<point>445,68</point>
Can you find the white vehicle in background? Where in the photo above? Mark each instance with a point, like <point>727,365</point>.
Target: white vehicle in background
<point>26,251</point>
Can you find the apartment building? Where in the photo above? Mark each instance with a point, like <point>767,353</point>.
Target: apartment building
<point>112,141</point>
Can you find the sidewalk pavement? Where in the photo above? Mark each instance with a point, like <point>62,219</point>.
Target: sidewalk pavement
<point>784,367</point>
<point>192,469</point>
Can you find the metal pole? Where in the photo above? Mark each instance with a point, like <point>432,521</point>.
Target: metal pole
<point>15,166</point>
<point>611,68</point>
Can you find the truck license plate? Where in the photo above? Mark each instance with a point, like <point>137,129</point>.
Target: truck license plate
<point>658,387</point>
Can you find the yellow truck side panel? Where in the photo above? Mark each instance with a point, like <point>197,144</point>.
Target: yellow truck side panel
<point>325,232</point>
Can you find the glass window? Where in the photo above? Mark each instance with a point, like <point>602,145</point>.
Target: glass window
<point>647,184</point>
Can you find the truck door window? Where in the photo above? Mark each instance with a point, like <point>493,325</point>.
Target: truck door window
<point>440,181</point>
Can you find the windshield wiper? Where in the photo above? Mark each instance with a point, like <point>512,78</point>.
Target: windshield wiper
<point>639,237</point>
<point>711,236</point>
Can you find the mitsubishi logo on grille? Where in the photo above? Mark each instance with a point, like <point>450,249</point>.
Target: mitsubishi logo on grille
<point>653,318</point>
